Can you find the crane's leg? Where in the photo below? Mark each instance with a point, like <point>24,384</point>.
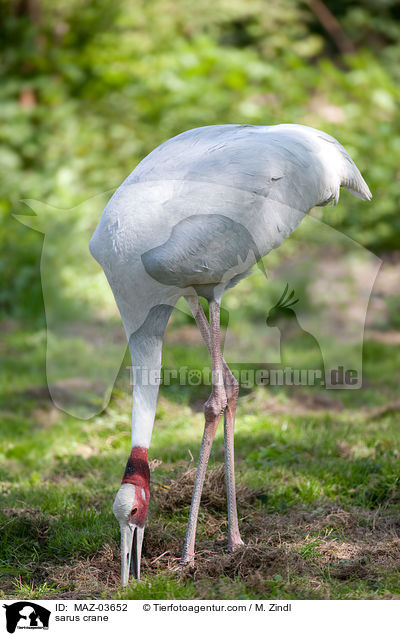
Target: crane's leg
<point>213,409</point>
<point>234,539</point>
<point>230,382</point>
<point>232,392</point>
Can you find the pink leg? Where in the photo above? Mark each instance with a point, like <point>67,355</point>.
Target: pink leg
<point>213,409</point>
<point>230,382</point>
<point>232,391</point>
<point>234,539</point>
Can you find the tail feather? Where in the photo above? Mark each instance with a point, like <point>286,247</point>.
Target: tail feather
<point>350,176</point>
<point>357,186</point>
<point>352,180</point>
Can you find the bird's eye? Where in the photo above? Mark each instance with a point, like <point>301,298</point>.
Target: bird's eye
<point>133,511</point>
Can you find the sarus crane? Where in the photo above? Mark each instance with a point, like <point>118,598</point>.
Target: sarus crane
<point>191,220</point>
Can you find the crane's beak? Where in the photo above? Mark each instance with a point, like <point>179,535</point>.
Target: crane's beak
<point>131,551</point>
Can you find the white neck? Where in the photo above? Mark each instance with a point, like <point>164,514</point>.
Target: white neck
<point>145,346</point>
<point>143,413</point>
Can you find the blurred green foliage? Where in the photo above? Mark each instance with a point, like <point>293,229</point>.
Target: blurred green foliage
<point>90,87</point>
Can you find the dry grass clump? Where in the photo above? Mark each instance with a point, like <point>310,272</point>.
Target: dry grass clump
<point>265,561</point>
<point>160,537</point>
<point>89,577</point>
<point>178,493</point>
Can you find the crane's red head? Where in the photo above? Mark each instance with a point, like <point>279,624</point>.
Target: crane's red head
<point>137,473</point>
<point>130,509</point>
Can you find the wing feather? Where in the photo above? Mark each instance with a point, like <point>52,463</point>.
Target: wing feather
<point>295,165</point>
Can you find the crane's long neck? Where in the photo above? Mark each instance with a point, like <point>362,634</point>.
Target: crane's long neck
<point>145,346</point>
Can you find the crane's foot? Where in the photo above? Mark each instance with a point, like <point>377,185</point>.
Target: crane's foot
<point>186,560</point>
<point>235,545</point>
<point>182,565</point>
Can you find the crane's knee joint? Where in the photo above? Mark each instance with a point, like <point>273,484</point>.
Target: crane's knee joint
<point>214,407</point>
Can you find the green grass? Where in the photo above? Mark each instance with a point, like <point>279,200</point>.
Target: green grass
<point>318,489</point>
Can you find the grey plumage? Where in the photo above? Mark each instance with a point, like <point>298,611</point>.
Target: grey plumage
<point>202,252</point>
<point>276,162</point>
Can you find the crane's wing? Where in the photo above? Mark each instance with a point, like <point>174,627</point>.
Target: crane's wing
<point>295,165</point>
